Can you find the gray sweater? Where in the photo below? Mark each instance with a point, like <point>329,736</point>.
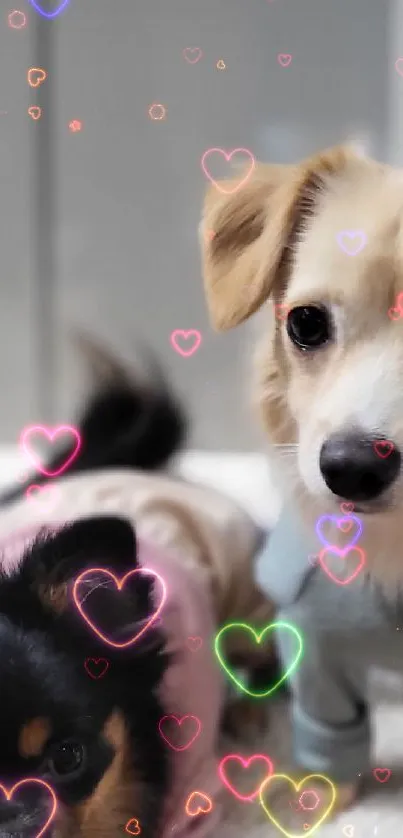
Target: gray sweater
<point>346,629</point>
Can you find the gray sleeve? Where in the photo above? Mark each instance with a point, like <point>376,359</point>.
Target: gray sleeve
<point>329,712</point>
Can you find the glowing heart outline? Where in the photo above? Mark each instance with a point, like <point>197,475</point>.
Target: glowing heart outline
<point>96,661</point>
<point>335,519</point>
<point>246,761</point>
<point>37,781</point>
<point>179,720</point>
<point>297,787</point>
<point>49,15</point>
<point>341,554</point>
<point>199,810</point>
<point>258,638</point>
<point>50,434</point>
<point>120,584</point>
<point>220,187</point>
<point>185,333</point>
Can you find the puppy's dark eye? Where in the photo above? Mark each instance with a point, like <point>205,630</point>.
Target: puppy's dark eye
<point>308,327</point>
<point>66,758</point>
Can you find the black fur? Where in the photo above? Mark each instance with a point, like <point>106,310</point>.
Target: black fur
<point>124,426</point>
<point>42,671</point>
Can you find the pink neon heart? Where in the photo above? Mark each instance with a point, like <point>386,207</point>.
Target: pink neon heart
<point>51,435</point>
<point>399,66</point>
<point>383,448</point>
<point>194,643</point>
<point>395,313</point>
<point>44,497</point>
<point>227,189</point>
<point>192,54</point>
<point>189,720</point>
<point>101,571</point>
<point>246,763</point>
<point>96,667</point>
<point>385,771</point>
<point>347,508</point>
<point>342,554</point>
<point>281,311</point>
<point>345,524</point>
<point>186,334</point>
<point>284,59</point>
<point>31,781</point>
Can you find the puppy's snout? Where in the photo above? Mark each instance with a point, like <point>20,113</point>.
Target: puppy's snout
<point>357,467</point>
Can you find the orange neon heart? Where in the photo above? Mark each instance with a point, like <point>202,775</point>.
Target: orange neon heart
<point>198,803</point>
<point>31,780</point>
<point>35,76</point>
<point>35,112</point>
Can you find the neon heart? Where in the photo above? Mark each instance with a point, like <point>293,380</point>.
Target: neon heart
<point>96,667</point>
<point>50,435</point>
<point>281,311</point>
<point>399,66</point>
<point>395,313</point>
<point>198,803</point>
<point>179,720</point>
<point>133,827</point>
<point>342,554</point>
<point>345,525</point>
<point>49,15</point>
<point>101,571</point>
<point>348,830</point>
<point>227,189</point>
<point>44,497</point>
<point>386,772</point>
<point>185,334</point>
<point>245,762</point>
<point>35,76</point>
<point>334,520</point>
<point>297,787</point>
<point>194,643</point>
<point>35,112</point>
<point>347,508</point>
<point>383,448</point>
<point>258,639</point>
<point>284,60</point>
<point>32,781</point>
<point>351,242</point>
<point>192,54</point>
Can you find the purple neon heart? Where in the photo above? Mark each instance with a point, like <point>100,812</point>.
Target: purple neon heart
<point>345,240</point>
<point>335,520</point>
<point>49,15</point>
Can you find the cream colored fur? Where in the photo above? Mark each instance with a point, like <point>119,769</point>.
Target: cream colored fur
<point>276,240</point>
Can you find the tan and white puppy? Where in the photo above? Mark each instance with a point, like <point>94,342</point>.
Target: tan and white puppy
<point>322,241</point>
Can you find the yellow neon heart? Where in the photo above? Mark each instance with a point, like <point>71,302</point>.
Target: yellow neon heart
<point>297,787</point>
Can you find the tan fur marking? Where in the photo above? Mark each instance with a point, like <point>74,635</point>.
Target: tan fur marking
<point>55,596</point>
<point>33,737</point>
<point>115,799</point>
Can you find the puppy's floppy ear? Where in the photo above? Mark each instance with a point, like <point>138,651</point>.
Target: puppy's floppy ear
<point>245,233</point>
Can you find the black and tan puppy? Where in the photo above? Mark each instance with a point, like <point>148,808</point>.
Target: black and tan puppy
<point>94,742</point>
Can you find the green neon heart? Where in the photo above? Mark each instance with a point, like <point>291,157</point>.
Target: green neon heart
<point>258,639</point>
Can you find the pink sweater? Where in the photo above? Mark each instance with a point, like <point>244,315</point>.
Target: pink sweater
<point>193,688</point>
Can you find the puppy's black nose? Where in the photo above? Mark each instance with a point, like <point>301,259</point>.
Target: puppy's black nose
<point>358,468</point>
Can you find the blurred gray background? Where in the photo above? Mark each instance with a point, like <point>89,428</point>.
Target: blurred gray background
<point>99,226</point>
